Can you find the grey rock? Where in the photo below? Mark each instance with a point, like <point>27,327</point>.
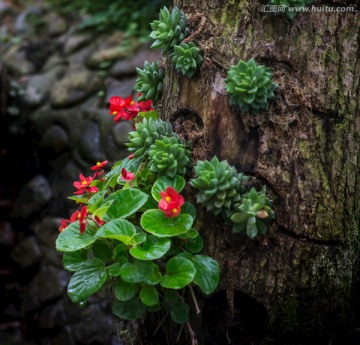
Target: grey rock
<point>122,88</point>
<point>27,253</point>
<point>89,143</point>
<point>121,132</point>
<point>56,25</point>
<point>55,137</point>
<point>39,86</point>
<point>79,57</point>
<point>23,23</point>
<point>77,41</point>
<point>128,66</point>
<point>52,61</point>
<point>76,86</point>
<point>33,197</point>
<point>15,60</point>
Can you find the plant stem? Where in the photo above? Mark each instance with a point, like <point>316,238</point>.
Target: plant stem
<point>192,334</point>
<point>161,322</point>
<point>198,311</point>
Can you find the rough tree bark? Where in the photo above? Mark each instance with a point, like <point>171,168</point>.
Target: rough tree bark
<point>300,278</point>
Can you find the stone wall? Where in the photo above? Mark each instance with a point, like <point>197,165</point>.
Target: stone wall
<point>54,85</point>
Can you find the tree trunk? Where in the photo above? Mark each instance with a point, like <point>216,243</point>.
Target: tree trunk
<point>300,277</point>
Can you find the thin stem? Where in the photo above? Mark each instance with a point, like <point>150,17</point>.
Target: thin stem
<point>198,311</point>
<point>161,322</point>
<point>192,334</point>
<point>178,337</point>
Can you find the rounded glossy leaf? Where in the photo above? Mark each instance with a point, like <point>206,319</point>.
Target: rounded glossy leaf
<point>114,269</point>
<point>180,312</point>
<point>179,273</point>
<point>129,310</point>
<point>125,203</point>
<point>192,233</point>
<point>207,273</point>
<point>118,229</point>
<point>125,291</point>
<point>155,222</point>
<point>140,271</point>
<point>149,295</point>
<point>189,208</point>
<point>194,245</point>
<point>95,200</point>
<point>88,279</point>
<point>102,251</point>
<point>72,260</point>
<point>71,240</point>
<point>178,183</point>
<point>153,248</point>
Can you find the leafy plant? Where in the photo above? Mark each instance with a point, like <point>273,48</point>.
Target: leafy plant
<point>250,86</point>
<point>186,58</point>
<point>146,133</point>
<point>252,213</point>
<point>220,185</point>
<point>168,156</point>
<point>150,81</point>
<point>291,7</point>
<point>169,30</point>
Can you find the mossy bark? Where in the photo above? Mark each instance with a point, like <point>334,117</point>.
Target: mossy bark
<point>305,149</point>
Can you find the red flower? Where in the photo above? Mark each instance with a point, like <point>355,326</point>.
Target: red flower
<point>99,221</point>
<point>122,108</point>
<point>145,106</point>
<point>83,186</point>
<point>99,165</point>
<point>131,156</point>
<point>171,202</point>
<point>127,175</point>
<point>80,216</point>
<point>64,223</point>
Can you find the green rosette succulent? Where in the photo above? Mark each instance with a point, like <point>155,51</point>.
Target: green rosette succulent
<point>220,185</point>
<point>186,58</point>
<point>291,7</point>
<point>169,30</point>
<point>168,156</point>
<point>150,81</point>
<point>250,86</point>
<point>145,134</point>
<point>253,213</point>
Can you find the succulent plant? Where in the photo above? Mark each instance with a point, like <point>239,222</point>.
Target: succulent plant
<point>252,213</point>
<point>145,134</point>
<point>169,30</point>
<point>250,86</point>
<point>168,156</point>
<point>186,58</point>
<point>293,4</point>
<point>150,81</point>
<point>220,185</point>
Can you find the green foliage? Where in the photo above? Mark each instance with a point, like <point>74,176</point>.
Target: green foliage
<point>186,58</point>
<point>150,81</point>
<point>109,15</point>
<point>291,7</point>
<point>252,213</point>
<point>169,30</point>
<point>146,133</point>
<point>220,185</point>
<point>250,86</point>
<point>168,156</point>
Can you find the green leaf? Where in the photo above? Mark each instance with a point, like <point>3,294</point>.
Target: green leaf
<point>88,279</point>
<point>194,245</point>
<point>114,269</point>
<point>180,312</point>
<point>101,211</point>
<point>207,273</point>
<point>154,221</point>
<point>95,200</point>
<point>72,260</point>
<point>140,271</point>
<point>118,229</point>
<point>125,291</point>
<point>80,199</point>
<point>189,208</point>
<point>126,202</point>
<point>102,251</point>
<point>153,248</point>
<point>179,272</point>
<point>192,233</point>
<point>129,310</point>
<point>178,183</point>
<point>71,240</point>
<point>149,295</point>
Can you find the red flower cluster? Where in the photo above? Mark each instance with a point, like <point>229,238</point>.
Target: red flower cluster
<point>171,202</point>
<point>127,109</point>
<point>98,168</point>
<point>77,215</point>
<point>127,175</point>
<point>83,186</point>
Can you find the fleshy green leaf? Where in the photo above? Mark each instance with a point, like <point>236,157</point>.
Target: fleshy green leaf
<point>72,260</point>
<point>153,248</point>
<point>95,200</point>
<point>180,312</point>
<point>179,272</point>
<point>207,273</point>
<point>71,240</point>
<point>178,183</point>
<point>194,245</point>
<point>129,310</point>
<point>118,229</point>
<point>156,223</point>
<point>140,271</point>
<point>88,279</point>
<point>102,251</point>
<point>125,291</point>
<point>149,295</point>
<point>126,202</point>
